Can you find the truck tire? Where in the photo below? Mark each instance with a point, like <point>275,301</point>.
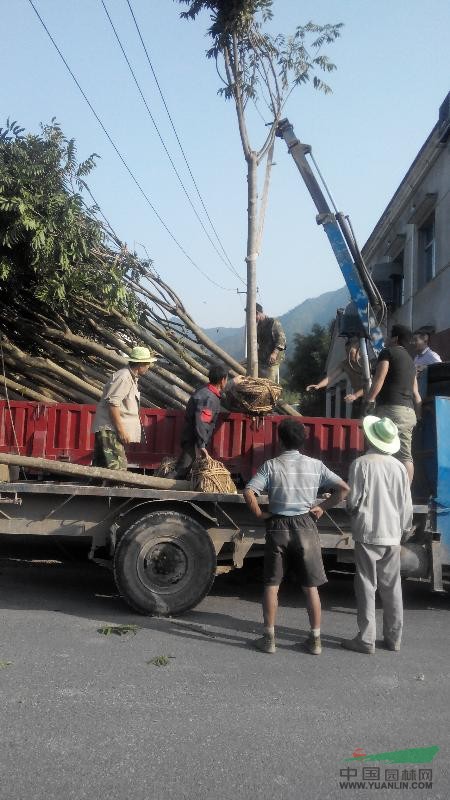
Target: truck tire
<point>164,564</point>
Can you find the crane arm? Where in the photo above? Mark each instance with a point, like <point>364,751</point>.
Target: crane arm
<point>363,292</point>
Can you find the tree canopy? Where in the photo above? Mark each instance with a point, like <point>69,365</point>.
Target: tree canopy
<point>73,298</point>
<point>52,245</point>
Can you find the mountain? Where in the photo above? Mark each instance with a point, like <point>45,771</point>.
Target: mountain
<point>300,319</point>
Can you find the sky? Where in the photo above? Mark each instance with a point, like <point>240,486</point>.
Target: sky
<point>393,72</point>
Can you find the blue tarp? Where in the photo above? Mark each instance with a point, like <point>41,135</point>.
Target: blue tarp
<point>442,414</point>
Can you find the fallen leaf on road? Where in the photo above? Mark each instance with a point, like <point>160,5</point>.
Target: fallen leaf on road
<point>160,661</point>
<point>118,630</point>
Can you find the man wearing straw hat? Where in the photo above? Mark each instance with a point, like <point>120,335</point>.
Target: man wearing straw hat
<point>116,422</point>
<point>381,510</point>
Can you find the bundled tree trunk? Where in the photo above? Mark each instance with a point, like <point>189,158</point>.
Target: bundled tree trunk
<point>90,473</point>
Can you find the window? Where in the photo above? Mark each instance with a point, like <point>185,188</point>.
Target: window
<point>427,252</point>
<point>397,278</point>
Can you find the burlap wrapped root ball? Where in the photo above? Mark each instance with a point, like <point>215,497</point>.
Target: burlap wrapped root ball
<point>254,395</point>
<point>210,476</point>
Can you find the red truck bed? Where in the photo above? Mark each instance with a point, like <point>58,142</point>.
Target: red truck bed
<point>63,432</point>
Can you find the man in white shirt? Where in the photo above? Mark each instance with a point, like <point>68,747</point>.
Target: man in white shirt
<point>381,510</point>
<point>423,358</point>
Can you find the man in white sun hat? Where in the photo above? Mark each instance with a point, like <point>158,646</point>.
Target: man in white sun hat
<point>116,421</point>
<point>381,510</point>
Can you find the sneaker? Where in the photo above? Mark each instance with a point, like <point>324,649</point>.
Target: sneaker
<point>266,644</point>
<point>395,646</point>
<point>313,645</point>
<point>358,646</point>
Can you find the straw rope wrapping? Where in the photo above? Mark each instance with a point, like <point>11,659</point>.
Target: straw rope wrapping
<point>208,475</point>
<point>166,467</point>
<point>254,395</point>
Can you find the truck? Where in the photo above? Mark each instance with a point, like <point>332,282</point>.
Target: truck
<point>165,546</point>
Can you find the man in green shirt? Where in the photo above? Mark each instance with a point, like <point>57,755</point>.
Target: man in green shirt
<point>271,344</point>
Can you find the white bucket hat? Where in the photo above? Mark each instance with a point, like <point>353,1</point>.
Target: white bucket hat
<point>382,433</point>
<point>141,355</point>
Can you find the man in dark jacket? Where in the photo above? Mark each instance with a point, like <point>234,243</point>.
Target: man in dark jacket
<point>200,419</point>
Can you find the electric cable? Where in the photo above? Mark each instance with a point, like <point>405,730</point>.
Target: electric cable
<point>128,169</point>
<point>180,180</point>
<point>180,144</point>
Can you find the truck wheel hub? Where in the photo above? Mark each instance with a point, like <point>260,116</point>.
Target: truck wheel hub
<point>163,564</point>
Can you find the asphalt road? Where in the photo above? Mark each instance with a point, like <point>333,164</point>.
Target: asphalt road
<point>85,716</point>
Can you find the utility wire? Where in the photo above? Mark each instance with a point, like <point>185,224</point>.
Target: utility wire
<point>180,144</point>
<point>189,199</point>
<point>128,169</point>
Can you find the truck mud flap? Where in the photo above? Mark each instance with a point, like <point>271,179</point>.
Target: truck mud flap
<point>241,546</point>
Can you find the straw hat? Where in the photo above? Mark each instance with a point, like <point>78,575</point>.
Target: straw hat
<point>382,433</point>
<point>141,355</point>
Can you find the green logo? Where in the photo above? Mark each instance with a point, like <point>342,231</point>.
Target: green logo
<point>413,755</point>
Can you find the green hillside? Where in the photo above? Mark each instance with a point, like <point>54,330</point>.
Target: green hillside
<point>299,319</point>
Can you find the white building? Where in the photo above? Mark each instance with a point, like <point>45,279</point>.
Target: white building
<point>408,252</point>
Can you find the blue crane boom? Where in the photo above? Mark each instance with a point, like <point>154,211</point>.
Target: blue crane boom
<point>364,294</point>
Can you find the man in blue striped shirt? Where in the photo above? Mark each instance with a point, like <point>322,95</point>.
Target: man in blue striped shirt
<point>292,482</point>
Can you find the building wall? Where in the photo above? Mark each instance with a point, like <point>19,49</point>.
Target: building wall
<point>396,245</point>
<point>398,250</point>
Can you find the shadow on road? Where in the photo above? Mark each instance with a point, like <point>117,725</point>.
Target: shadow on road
<point>39,579</point>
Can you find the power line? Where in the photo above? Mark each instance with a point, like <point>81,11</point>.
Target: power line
<point>128,169</point>
<point>189,199</point>
<point>180,144</point>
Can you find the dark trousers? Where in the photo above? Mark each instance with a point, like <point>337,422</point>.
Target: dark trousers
<point>184,463</point>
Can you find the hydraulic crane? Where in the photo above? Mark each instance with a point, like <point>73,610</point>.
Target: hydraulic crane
<point>366,299</point>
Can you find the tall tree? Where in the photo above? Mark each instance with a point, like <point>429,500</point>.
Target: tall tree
<point>73,298</point>
<point>307,365</point>
<point>255,66</point>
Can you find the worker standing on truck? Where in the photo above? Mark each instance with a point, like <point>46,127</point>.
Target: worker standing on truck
<point>352,369</point>
<point>116,422</point>
<point>395,390</point>
<point>200,419</point>
<point>381,510</point>
<point>292,482</point>
<point>271,345</point>
<point>423,358</point>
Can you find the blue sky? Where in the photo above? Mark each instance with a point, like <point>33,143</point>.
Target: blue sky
<point>393,72</point>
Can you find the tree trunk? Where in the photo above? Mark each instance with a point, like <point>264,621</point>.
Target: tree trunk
<point>24,391</point>
<point>46,365</point>
<point>265,194</point>
<point>212,346</point>
<point>77,470</point>
<point>252,255</point>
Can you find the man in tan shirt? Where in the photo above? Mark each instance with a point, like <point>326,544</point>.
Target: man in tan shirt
<point>116,421</point>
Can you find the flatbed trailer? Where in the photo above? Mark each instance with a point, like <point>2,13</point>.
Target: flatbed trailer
<point>166,547</point>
